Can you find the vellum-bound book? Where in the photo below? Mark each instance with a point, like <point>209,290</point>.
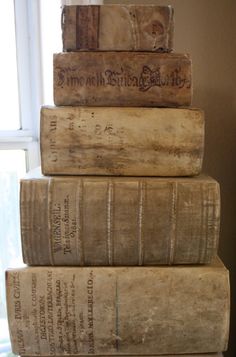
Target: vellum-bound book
<point>119,221</point>
<point>186,355</point>
<point>118,28</point>
<point>121,141</point>
<point>143,79</point>
<point>118,310</point>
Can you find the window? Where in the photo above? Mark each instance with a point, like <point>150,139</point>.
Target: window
<point>29,33</point>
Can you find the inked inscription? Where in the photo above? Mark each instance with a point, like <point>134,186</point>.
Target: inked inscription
<point>53,131</point>
<point>20,341</point>
<point>42,318</point>
<point>148,78</point>
<point>34,313</point>
<point>63,225</point>
<point>66,221</point>
<point>17,296</point>
<point>50,314</point>
<point>65,320</point>
<point>91,344</point>
<point>56,227</point>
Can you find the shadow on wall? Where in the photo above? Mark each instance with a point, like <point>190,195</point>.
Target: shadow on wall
<point>220,154</point>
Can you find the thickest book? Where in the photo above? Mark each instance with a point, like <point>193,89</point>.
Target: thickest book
<point>185,355</point>
<point>118,311</point>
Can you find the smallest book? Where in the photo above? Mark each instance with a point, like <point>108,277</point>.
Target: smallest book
<point>118,28</point>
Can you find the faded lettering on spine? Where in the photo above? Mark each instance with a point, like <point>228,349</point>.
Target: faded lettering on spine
<point>118,311</point>
<point>122,141</point>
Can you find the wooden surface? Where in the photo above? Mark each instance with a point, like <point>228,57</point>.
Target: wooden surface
<point>118,311</point>
<point>122,79</point>
<point>121,141</point>
<point>118,28</point>
<point>119,221</point>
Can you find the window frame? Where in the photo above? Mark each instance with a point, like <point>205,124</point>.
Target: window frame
<point>30,85</point>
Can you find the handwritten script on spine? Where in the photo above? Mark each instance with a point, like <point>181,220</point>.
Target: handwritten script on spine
<point>148,78</point>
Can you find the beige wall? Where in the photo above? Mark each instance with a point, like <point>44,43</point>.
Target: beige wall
<point>207,30</point>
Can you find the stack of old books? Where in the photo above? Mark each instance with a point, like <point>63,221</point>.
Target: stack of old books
<point>125,206</point>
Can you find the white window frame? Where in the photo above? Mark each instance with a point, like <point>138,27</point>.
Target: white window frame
<point>30,79</point>
<point>29,68</point>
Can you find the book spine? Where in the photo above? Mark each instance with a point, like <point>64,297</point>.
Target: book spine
<point>122,141</point>
<point>112,221</point>
<point>118,311</point>
<point>188,355</point>
<point>122,79</point>
<point>118,28</point>
<point>34,208</point>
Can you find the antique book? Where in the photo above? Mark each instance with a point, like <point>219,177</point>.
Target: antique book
<point>78,220</point>
<point>118,310</point>
<point>121,141</point>
<point>122,79</point>
<point>118,28</point>
<point>185,355</point>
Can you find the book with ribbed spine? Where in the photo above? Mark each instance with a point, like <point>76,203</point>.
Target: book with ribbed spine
<point>119,221</point>
<point>118,310</point>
